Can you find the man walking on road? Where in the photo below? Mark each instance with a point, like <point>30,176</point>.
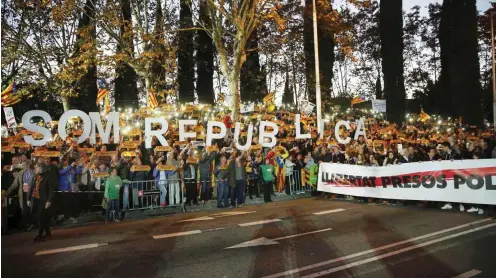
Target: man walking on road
<point>41,194</point>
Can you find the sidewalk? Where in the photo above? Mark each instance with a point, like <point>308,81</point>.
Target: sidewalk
<point>98,217</point>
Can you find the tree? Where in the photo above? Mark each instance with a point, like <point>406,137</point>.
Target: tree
<point>287,97</point>
<point>232,24</point>
<point>85,52</point>
<point>141,46</point>
<point>126,90</point>
<point>42,38</point>
<point>391,33</point>
<point>185,62</point>
<point>252,80</point>
<point>204,60</point>
<point>460,73</point>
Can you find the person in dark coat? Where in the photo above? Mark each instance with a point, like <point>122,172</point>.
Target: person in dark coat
<point>41,196</point>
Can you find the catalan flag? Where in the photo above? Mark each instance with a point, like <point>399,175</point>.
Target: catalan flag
<point>221,98</point>
<point>269,98</point>
<point>358,99</point>
<point>102,91</point>
<point>9,96</point>
<point>152,100</point>
<point>423,116</point>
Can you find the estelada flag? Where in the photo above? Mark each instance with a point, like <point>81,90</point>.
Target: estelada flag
<point>358,99</point>
<point>269,98</point>
<point>9,96</point>
<point>107,105</point>
<point>152,99</point>
<point>423,116</point>
<point>102,91</point>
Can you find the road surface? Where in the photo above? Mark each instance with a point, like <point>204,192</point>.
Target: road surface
<point>296,238</point>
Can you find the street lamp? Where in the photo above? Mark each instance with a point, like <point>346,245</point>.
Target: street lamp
<point>318,99</point>
<point>492,13</point>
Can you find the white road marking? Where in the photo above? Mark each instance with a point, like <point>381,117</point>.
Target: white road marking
<point>266,241</point>
<point>469,274</point>
<point>329,211</point>
<point>296,270</point>
<point>303,234</point>
<point>231,213</point>
<point>254,242</point>
<point>203,218</point>
<point>68,249</point>
<point>177,234</point>
<point>214,229</point>
<point>259,222</point>
<point>403,250</point>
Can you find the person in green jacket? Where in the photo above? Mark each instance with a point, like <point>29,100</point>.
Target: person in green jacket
<point>112,188</point>
<point>268,176</point>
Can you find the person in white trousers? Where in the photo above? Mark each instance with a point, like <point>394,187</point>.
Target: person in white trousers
<point>174,180</point>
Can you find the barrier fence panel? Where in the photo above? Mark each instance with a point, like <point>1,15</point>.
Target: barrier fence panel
<point>139,195</point>
<point>298,184</point>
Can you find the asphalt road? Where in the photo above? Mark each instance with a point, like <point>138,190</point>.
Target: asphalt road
<point>297,238</point>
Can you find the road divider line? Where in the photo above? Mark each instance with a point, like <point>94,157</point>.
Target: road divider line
<point>259,222</point>
<point>469,274</point>
<point>303,234</point>
<point>68,249</point>
<point>177,234</point>
<point>403,250</point>
<point>232,213</point>
<point>329,211</point>
<point>203,218</point>
<point>351,256</point>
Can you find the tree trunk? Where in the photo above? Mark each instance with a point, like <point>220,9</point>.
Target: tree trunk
<point>65,104</point>
<point>126,90</point>
<point>204,60</point>
<point>185,55</point>
<point>233,81</point>
<point>391,32</point>
<point>253,85</point>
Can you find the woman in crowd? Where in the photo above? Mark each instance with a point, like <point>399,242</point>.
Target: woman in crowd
<point>221,173</point>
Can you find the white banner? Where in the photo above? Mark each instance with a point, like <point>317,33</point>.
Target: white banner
<point>246,108</point>
<point>9,117</point>
<point>467,181</point>
<point>379,105</point>
<point>306,107</point>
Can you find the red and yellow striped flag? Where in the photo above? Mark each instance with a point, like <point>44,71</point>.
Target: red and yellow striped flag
<point>269,98</point>
<point>221,98</point>
<point>102,93</point>
<point>423,116</point>
<point>152,100</point>
<point>358,99</point>
<point>8,95</point>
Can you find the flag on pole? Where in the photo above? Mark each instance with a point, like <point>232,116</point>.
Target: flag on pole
<point>102,91</point>
<point>9,96</point>
<point>152,100</point>
<point>423,116</point>
<point>221,98</point>
<point>269,98</point>
<point>358,99</point>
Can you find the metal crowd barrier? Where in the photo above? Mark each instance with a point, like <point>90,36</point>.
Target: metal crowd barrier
<point>140,195</point>
<point>297,183</point>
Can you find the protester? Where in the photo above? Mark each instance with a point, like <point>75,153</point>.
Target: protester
<point>21,185</point>
<point>112,189</point>
<point>222,173</point>
<point>40,197</point>
<point>268,177</point>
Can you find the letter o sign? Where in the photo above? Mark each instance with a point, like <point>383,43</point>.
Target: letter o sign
<point>475,182</point>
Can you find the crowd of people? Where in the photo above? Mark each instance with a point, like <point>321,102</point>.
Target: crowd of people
<point>201,173</point>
